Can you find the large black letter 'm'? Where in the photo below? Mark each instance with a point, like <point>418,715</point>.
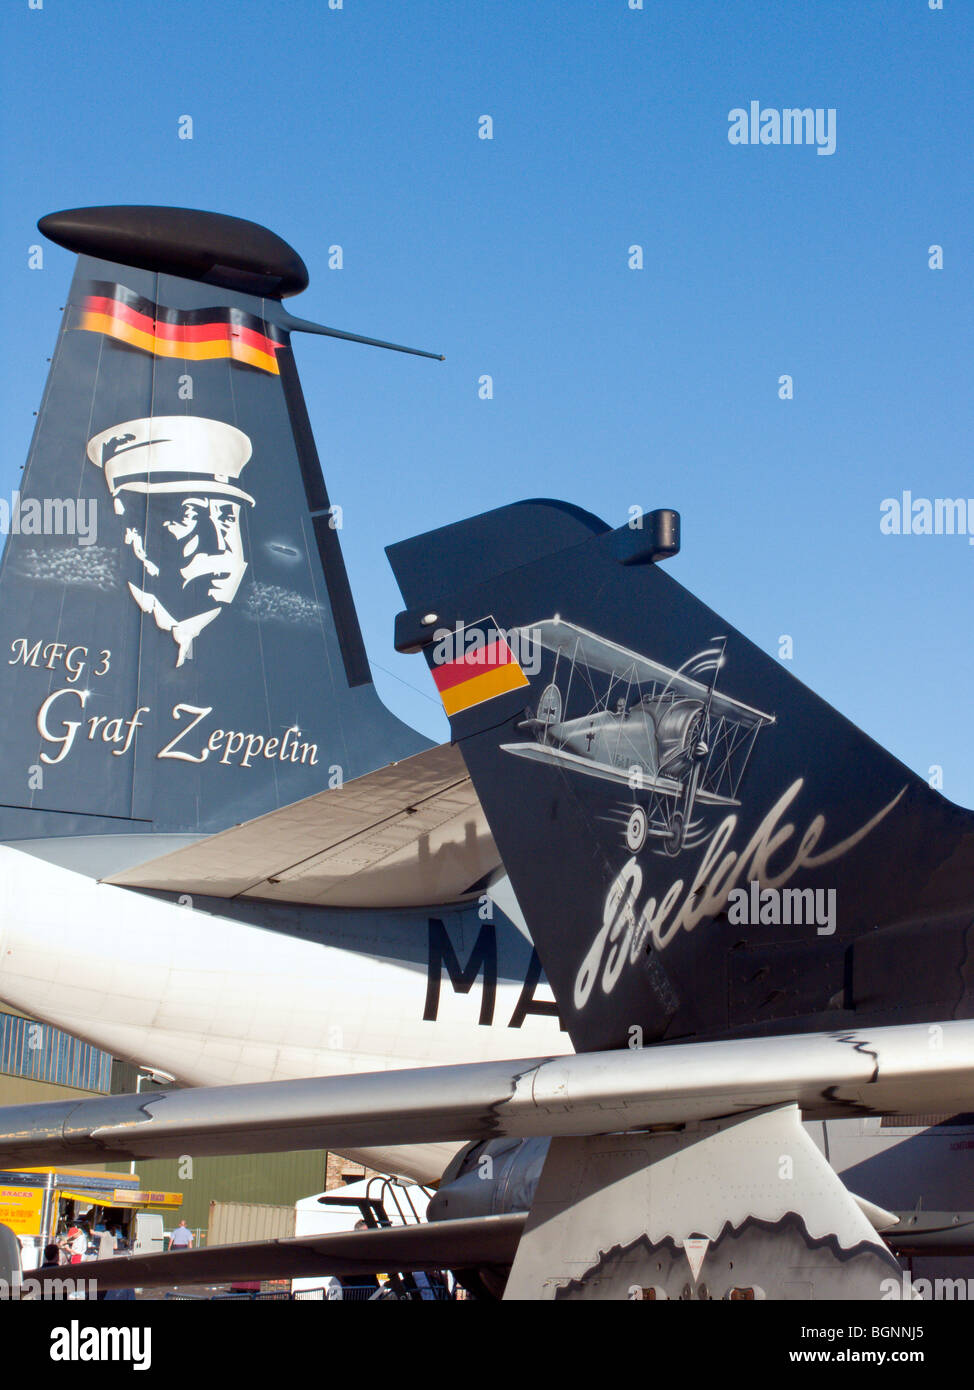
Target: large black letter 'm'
<point>483,956</point>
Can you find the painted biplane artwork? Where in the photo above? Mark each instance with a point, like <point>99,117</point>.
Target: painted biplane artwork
<point>675,742</point>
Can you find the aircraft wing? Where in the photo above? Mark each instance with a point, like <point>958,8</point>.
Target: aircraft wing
<point>562,757</point>
<point>428,1246</point>
<point>547,753</point>
<point>409,834</point>
<point>599,654</point>
<point>887,1071</point>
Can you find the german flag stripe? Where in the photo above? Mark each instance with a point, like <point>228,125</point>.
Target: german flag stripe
<point>187,352</point>
<point>472,663</point>
<point>221,313</point>
<point>480,674</point>
<point>487,686</point>
<point>188,334</point>
<point>178,332</point>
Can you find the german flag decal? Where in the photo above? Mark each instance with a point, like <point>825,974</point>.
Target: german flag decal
<point>481,672</point>
<point>193,335</point>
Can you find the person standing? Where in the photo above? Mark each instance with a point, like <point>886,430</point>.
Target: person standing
<point>181,1238</point>
<point>75,1245</point>
<point>80,1245</point>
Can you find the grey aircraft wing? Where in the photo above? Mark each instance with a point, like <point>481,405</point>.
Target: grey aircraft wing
<point>887,1070</point>
<point>433,1245</point>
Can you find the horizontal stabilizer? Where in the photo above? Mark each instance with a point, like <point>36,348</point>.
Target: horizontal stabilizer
<point>885,1071</point>
<point>411,833</point>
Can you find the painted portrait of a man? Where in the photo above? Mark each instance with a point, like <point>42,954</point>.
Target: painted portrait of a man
<point>174,479</point>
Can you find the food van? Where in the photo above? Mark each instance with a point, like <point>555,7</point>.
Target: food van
<point>40,1205</point>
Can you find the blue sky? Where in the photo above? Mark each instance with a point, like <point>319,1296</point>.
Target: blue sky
<point>612,386</point>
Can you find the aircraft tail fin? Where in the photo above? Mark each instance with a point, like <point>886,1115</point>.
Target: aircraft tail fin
<point>700,845</point>
<point>180,647</point>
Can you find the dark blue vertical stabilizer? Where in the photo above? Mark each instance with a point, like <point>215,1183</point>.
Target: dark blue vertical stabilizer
<point>180,647</point>
<point>700,845</point>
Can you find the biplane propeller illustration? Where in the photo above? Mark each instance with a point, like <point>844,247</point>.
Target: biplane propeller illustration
<point>670,739</point>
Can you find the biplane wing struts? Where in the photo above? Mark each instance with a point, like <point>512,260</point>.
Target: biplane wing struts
<point>600,654</point>
<point>610,713</point>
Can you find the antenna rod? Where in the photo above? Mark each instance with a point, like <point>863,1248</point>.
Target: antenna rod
<point>295,325</point>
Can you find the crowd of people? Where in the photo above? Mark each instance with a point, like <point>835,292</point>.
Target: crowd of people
<point>78,1241</point>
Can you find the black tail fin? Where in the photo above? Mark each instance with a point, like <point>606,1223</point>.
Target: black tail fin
<point>700,845</point>
<point>180,648</point>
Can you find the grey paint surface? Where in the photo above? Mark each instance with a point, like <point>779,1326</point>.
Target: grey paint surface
<point>697,1214</point>
<point>827,1075</point>
<point>437,1245</point>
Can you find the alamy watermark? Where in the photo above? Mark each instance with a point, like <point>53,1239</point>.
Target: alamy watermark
<point>907,515</point>
<point>940,1289</point>
<point>46,1286</point>
<point>792,125</point>
<point>776,907</point>
<point>49,516</point>
<point>477,644</point>
<point>79,1343</point>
